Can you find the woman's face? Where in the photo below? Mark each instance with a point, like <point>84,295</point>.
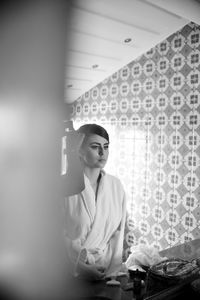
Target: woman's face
<point>94,151</point>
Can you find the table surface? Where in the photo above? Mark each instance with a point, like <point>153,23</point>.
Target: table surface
<point>100,290</point>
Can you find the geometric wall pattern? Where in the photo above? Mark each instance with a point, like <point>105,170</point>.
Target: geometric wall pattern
<point>151,109</point>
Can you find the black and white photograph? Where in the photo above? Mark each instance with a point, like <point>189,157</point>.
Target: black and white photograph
<point>99,149</point>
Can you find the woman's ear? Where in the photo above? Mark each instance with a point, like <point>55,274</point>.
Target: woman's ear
<point>80,144</point>
<point>81,137</point>
<point>81,152</point>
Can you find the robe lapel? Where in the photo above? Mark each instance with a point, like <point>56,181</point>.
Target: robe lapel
<point>88,197</point>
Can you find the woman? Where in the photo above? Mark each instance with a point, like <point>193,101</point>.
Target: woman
<point>95,218</point>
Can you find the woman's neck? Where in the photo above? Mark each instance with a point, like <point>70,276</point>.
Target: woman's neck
<point>92,174</point>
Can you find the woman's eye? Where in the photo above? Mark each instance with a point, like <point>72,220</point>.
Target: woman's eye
<point>106,147</point>
<point>94,147</point>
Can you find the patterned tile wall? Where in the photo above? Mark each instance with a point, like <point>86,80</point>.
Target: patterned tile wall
<point>151,108</point>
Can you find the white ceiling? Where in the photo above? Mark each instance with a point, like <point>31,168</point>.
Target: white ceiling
<point>98,29</point>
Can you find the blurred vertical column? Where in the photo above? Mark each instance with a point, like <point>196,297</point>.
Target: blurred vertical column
<point>33,39</point>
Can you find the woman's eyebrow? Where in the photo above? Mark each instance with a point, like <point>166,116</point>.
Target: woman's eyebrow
<point>95,143</point>
<point>99,144</point>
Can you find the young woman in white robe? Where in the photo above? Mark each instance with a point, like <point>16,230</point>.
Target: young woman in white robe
<point>95,218</point>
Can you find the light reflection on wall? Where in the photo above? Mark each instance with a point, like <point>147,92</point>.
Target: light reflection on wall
<point>11,125</point>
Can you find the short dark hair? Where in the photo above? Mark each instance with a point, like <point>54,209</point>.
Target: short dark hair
<point>89,129</point>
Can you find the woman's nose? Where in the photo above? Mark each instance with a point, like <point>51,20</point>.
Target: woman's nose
<point>100,151</point>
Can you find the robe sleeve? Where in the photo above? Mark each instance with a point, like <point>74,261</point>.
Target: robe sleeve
<point>116,243</point>
<point>72,227</point>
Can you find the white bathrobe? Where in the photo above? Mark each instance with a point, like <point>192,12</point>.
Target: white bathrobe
<point>97,226</point>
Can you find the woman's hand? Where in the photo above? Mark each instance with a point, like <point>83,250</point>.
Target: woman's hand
<point>91,272</point>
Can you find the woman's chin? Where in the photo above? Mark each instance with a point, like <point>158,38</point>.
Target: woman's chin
<point>101,164</point>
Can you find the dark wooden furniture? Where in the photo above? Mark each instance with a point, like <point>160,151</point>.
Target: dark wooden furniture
<point>99,290</point>
<point>82,290</point>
